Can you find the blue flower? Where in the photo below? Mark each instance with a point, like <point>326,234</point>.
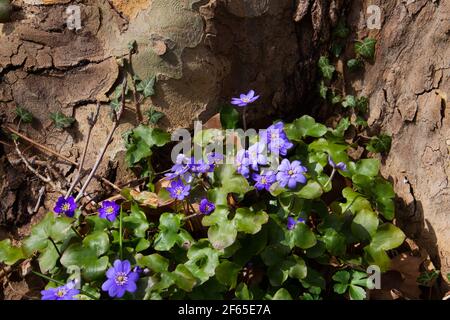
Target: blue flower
<point>257,155</point>
<point>242,162</point>
<point>200,166</point>
<point>215,158</point>
<point>291,173</point>
<point>120,279</point>
<point>66,206</point>
<point>341,165</point>
<point>178,190</point>
<point>264,180</point>
<point>109,210</point>
<point>245,99</point>
<point>276,139</point>
<point>291,222</point>
<point>206,207</point>
<point>180,169</point>
<point>65,292</point>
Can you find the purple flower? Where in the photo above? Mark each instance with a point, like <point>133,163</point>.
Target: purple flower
<point>109,210</point>
<point>341,165</point>
<point>291,173</point>
<point>180,169</point>
<point>65,292</point>
<point>276,139</point>
<point>206,207</point>
<point>120,279</point>
<point>264,180</point>
<point>291,222</point>
<point>215,158</point>
<point>242,162</point>
<point>200,166</point>
<point>178,190</point>
<point>256,155</point>
<point>245,99</point>
<point>66,206</point>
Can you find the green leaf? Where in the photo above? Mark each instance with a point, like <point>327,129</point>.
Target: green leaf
<point>60,120</point>
<point>136,152</point>
<point>86,258</point>
<point>169,224</point>
<point>151,136</point>
<point>312,190</point>
<point>380,144</point>
<point>304,238</point>
<point>154,262</point>
<point>38,239</point>
<point>340,288</point>
<point>282,294</point>
<point>10,254</point>
<point>323,89</point>
<point>354,64</point>
<point>303,127</point>
<point>274,254</point>
<point>153,116</point>
<point>341,30</point>
<point>136,221</point>
<point>365,224</point>
<point>377,257</point>
<point>366,48</point>
<point>24,115</point>
<point>248,221</point>
<point>336,49</point>
<point>48,259</point>
<point>326,68</point>
<point>227,273</point>
<point>229,117</point>
<point>97,241</point>
<point>299,269</point>
<point>387,237</point>
<point>342,127</point>
<point>242,292</point>
<point>356,293</point>
<point>335,99</point>
<point>229,181</point>
<point>342,277</point>
<point>350,101</point>
<point>147,86</point>
<point>222,235</point>
<point>362,104</point>
<point>183,278</point>
<point>366,167</point>
<point>335,242</point>
<point>142,245</point>
<point>203,261</point>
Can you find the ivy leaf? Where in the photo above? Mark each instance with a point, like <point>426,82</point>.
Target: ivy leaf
<point>24,115</point>
<point>362,104</point>
<point>341,30</point>
<point>342,127</point>
<point>229,117</point>
<point>323,89</point>
<point>10,254</point>
<point>147,86</point>
<point>250,222</point>
<point>354,64</point>
<point>153,116</point>
<point>303,127</point>
<point>335,98</point>
<point>60,120</point>
<point>349,101</point>
<point>387,237</point>
<point>366,48</point>
<point>380,144</point>
<point>326,68</point>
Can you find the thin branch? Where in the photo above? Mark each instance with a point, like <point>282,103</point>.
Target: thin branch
<point>38,202</point>
<point>118,115</point>
<point>92,119</point>
<point>42,147</point>
<point>28,165</point>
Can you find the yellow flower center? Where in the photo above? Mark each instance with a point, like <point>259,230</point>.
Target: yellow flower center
<point>178,192</point>
<point>263,180</point>
<point>109,210</point>
<point>245,99</point>
<point>66,207</point>
<point>290,172</point>
<point>60,293</point>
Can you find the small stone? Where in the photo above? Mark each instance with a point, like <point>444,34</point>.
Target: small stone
<point>159,47</point>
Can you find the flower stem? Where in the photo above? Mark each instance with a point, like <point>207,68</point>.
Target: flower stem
<point>76,232</point>
<point>244,118</point>
<point>54,244</point>
<point>331,178</point>
<point>120,234</point>
<point>62,284</point>
<point>192,216</point>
